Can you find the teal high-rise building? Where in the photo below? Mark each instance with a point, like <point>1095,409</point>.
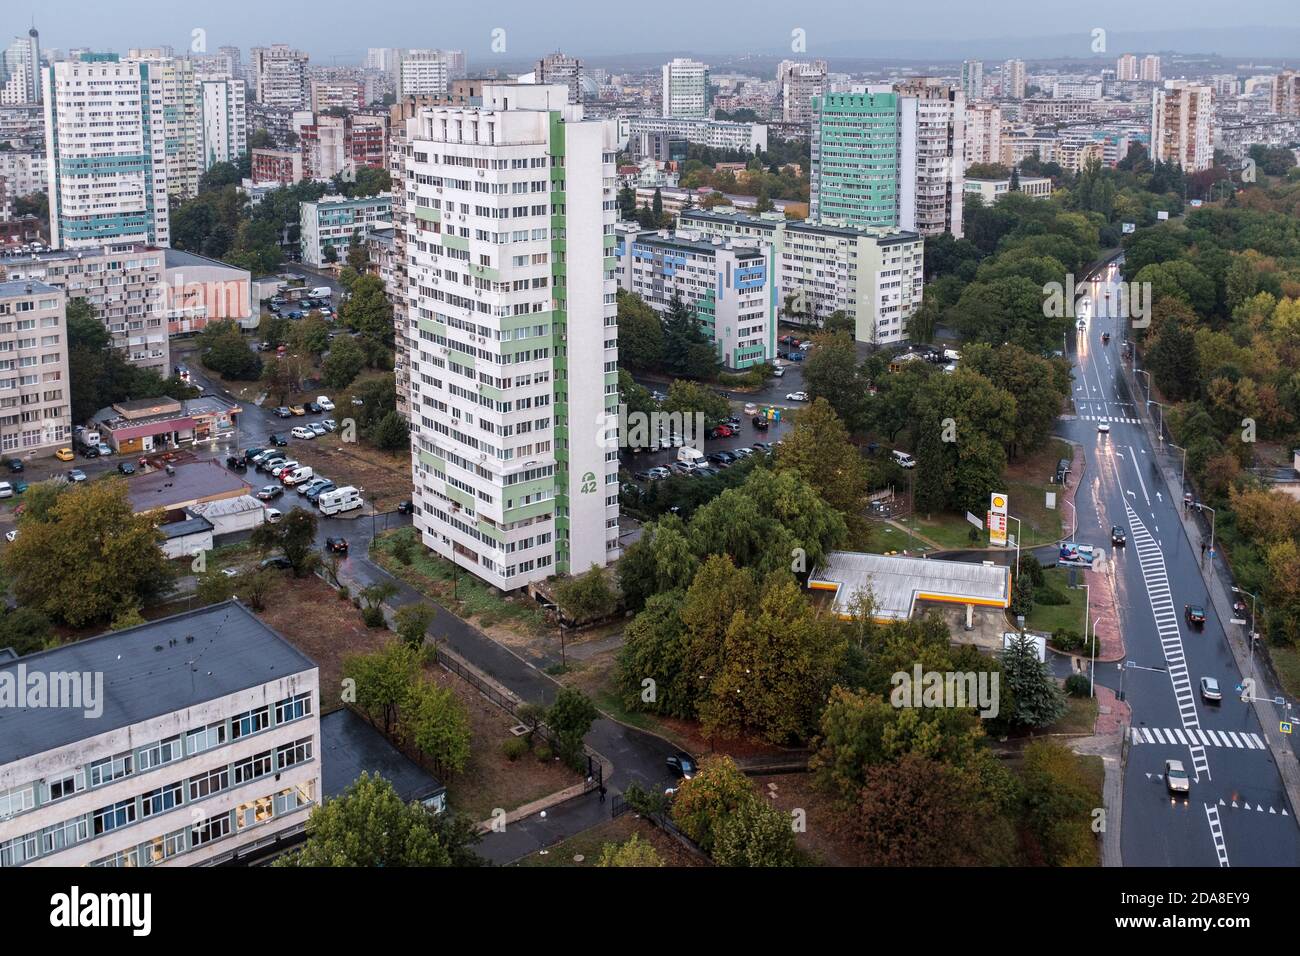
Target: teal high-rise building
<point>856,151</point>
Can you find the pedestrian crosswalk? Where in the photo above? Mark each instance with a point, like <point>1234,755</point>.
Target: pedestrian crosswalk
<point>1113,419</point>
<point>1216,834</point>
<point>1190,736</point>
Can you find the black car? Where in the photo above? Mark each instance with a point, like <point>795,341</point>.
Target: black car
<point>233,462</point>
<point>15,465</point>
<point>722,458</point>
<point>1195,615</point>
<point>313,408</point>
<point>279,561</point>
<point>336,545</point>
<point>251,453</point>
<point>405,508</point>
<point>279,441</point>
<point>126,468</point>
<point>682,765</point>
<point>89,452</point>
<point>760,423</point>
<point>1117,536</point>
<point>313,494</point>
<point>283,412</point>
<point>1105,338</point>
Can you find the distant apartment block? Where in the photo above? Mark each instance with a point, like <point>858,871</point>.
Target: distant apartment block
<point>1149,72</point>
<point>799,83</point>
<point>337,94</point>
<point>123,282</point>
<point>751,137</point>
<point>225,121</point>
<point>1013,80</point>
<point>35,392</point>
<point>563,70</point>
<point>330,223</point>
<point>874,276</point>
<point>991,190</point>
<point>426,72</point>
<point>280,76</point>
<point>933,147</point>
<point>282,166</point>
<point>202,290</point>
<point>25,171</point>
<point>1182,125</point>
<point>728,284</point>
<point>983,133</point>
<point>1284,95</point>
<point>972,79</point>
<point>340,145</point>
<point>171,771</point>
<point>685,88</point>
<point>20,68</point>
<point>1126,68</point>
<point>176,98</point>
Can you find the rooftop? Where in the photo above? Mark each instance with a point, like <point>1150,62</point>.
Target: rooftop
<point>193,481</point>
<point>350,746</point>
<point>150,670</point>
<point>174,258</point>
<point>16,287</point>
<point>897,582</point>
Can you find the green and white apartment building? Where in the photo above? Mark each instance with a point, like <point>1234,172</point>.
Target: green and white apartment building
<point>874,275</point>
<point>509,209</point>
<point>728,284</point>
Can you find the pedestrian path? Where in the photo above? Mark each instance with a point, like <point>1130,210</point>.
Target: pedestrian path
<point>1216,833</point>
<point>1189,736</point>
<point>1113,419</point>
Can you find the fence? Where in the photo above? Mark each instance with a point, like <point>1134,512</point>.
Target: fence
<point>619,806</point>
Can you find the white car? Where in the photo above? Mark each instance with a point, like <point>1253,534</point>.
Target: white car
<point>751,408</point>
<point>797,397</point>
<point>11,535</point>
<point>1103,429</point>
<point>779,371</point>
<point>324,402</point>
<point>230,572</point>
<point>273,515</point>
<point>6,490</point>
<point>302,431</point>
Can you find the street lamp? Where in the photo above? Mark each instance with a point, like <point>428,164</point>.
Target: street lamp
<point>1253,636</point>
<point>1160,427</point>
<point>1018,532</point>
<point>1074,517</point>
<point>1182,471</point>
<point>1142,371</point>
<point>1087,595</point>
<point>1092,673</point>
<point>1204,507</point>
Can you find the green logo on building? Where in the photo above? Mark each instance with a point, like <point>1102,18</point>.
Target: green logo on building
<point>589,483</point>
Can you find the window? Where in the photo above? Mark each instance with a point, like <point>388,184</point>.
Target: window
<point>297,752</point>
<point>165,751</point>
<point>250,768</point>
<point>206,784</point>
<point>205,738</point>
<point>293,708</point>
<point>110,769</point>
<point>17,800</point>
<point>250,723</point>
<point>66,786</point>
<point>114,816</point>
<point>161,800</point>
<point>214,828</point>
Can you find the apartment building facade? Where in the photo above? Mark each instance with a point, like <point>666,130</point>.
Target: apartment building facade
<point>1013,80</point>
<point>177,115</point>
<point>727,283</point>
<point>423,73</point>
<point>511,287</point>
<point>330,222</point>
<point>24,171</point>
<point>1182,115</point>
<point>799,83</point>
<point>685,88</point>
<point>1284,93</point>
<point>125,284</point>
<point>340,145</point>
<point>281,166</point>
<point>337,94</point>
<point>856,156</point>
<point>933,157</point>
<point>107,153</point>
<point>563,70</point>
<point>20,70</point>
<point>224,134</point>
<point>280,77</point>
<point>972,79</point>
<point>875,276</point>
<point>983,134</point>
<point>156,769</point>
<point>35,393</point>
<point>718,134</point>
<point>1126,68</point>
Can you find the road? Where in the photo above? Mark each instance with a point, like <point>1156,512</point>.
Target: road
<point>1237,813</point>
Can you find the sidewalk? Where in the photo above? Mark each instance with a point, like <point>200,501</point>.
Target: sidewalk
<point>1101,588</point>
<point>1218,581</point>
<point>1107,743</point>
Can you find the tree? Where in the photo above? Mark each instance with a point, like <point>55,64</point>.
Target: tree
<point>256,585</point>
<point>385,682</point>
<point>831,373</point>
<point>222,348</point>
<point>391,433</point>
<point>587,597</point>
<point>640,333</point>
<point>633,852</point>
<point>370,826</point>
<point>92,556</point>
<point>756,834</point>
<point>343,363</point>
<point>368,310</point>
<point>294,537</point>
<point>690,398</point>
<point>439,728</point>
<point>1038,700</point>
<point>703,803</point>
<point>25,630</point>
<point>1059,805</point>
<point>654,650</point>
<point>411,621</point>
<point>570,718</point>
<point>818,450</point>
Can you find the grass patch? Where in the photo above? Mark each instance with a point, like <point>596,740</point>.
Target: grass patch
<point>589,844</point>
<point>1080,717</point>
<point>1052,617</point>
<point>1286,663</point>
<point>950,531</point>
<point>463,593</point>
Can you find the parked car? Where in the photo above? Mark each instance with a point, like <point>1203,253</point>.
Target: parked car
<point>1195,615</point>
<point>720,431</point>
<point>126,468</point>
<point>1117,536</point>
<point>279,562</point>
<point>1210,692</point>
<point>797,397</point>
<point>233,462</point>
<point>283,412</point>
<point>75,475</point>
<point>14,465</point>
<point>314,492</point>
<point>779,371</point>
<point>251,453</point>
<point>297,411</point>
<point>328,424</point>
<point>302,431</point>
<point>1176,779</point>
<point>760,423</point>
<point>283,468</point>
<point>324,402</point>
<point>89,451</point>
<point>336,545</point>
<point>20,486</point>
<point>658,472</point>
<point>318,429</point>
<point>307,486</point>
<point>742,452</point>
<point>682,765</point>
<point>104,450</point>
<point>762,446</point>
<point>751,408</point>
<point>405,508</point>
<point>64,454</point>
<point>270,492</point>
<point>273,515</point>
<point>11,536</point>
<point>6,490</point>
<point>722,458</point>
<point>279,440</point>
<point>313,408</point>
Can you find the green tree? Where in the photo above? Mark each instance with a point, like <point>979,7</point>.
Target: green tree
<point>633,852</point>
<point>294,536</point>
<point>391,433</point>
<point>818,450</point>
<point>411,621</point>
<point>25,630</point>
<point>439,728</point>
<point>703,804</point>
<point>640,333</point>
<point>587,597</point>
<point>368,310</point>
<point>831,373</point>
<point>385,683</point>
<point>1059,805</point>
<point>755,834</point>
<point>343,363</point>
<point>1038,699</point>
<point>570,718</point>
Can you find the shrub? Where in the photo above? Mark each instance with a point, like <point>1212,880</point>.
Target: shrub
<point>514,748</point>
<point>1076,685</point>
<point>402,549</point>
<point>1050,597</point>
<point>343,592</point>
<point>544,753</point>
<point>373,616</point>
<point>1064,639</point>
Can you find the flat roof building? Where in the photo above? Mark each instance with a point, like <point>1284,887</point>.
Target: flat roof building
<point>897,584</point>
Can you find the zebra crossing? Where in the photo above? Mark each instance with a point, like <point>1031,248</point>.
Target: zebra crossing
<point>1113,419</point>
<point>1196,735</point>
<point>1156,578</point>
<point>1216,833</point>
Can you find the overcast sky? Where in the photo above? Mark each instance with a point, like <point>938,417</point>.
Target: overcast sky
<point>342,29</point>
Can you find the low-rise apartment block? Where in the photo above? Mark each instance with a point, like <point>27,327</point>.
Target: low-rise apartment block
<point>35,394</point>
<point>717,134</point>
<point>330,223</point>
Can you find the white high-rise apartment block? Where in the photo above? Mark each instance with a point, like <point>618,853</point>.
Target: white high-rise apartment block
<point>280,76</point>
<point>424,73</point>
<point>972,79</point>
<point>1126,67</point>
<point>179,111</point>
<point>1150,71</point>
<point>511,282</point>
<point>225,121</point>
<point>20,67</point>
<point>381,58</point>
<point>932,124</point>
<point>800,82</point>
<point>562,69</point>
<point>1182,115</point>
<point>983,133</point>
<point>1284,93</point>
<point>1013,80</point>
<point>685,88</point>
<point>107,167</point>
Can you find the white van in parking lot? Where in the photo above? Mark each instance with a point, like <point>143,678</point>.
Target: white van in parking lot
<point>903,459</point>
<point>340,499</point>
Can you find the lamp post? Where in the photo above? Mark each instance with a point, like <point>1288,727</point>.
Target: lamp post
<point>1018,532</point>
<point>1204,507</point>
<point>1160,427</point>
<point>1074,517</point>
<point>1092,672</point>
<point>1182,469</point>
<point>1253,599</point>
<point>1142,371</point>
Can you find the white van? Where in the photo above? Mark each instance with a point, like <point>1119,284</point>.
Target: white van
<point>321,292</point>
<point>340,499</point>
<point>903,459</point>
<point>688,458</point>
<point>297,476</point>
<point>952,355</point>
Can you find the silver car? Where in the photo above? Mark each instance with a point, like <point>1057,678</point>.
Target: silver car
<point>1210,692</point>
<point>1176,778</point>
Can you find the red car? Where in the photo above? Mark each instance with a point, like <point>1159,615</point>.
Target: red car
<point>721,431</point>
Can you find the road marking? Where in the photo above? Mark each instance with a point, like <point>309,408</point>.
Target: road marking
<point>1193,736</point>
<point>1216,834</point>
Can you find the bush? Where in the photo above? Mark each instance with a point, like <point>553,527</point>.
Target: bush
<point>1064,639</point>
<point>373,617</point>
<point>1050,597</point>
<point>544,753</point>
<point>1076,685</point>
<point>402,549</point>
<point>514,748</point>
<point>343,592</point>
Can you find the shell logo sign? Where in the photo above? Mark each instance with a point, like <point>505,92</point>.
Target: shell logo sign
<point>997,519</point>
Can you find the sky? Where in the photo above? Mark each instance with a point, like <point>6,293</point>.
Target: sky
<point>340,30</point>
